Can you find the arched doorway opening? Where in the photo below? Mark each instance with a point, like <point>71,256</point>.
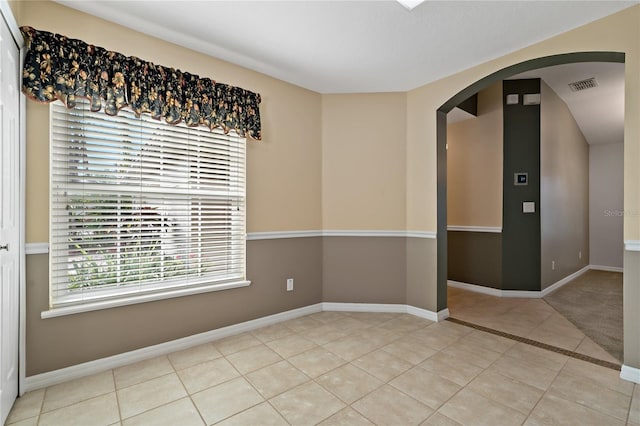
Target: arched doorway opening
<point>442,243</point>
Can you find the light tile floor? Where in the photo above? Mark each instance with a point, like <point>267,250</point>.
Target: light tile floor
<point>335,368</point>
<point>533,319</point>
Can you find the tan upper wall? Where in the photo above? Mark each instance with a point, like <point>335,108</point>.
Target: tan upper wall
<point>346,151</point>
<point>283,171</point>
<point>16,8</point>
<point>474,164</point>
<point>619,32</point>
<point>363,161</point>
<point>564,191</point>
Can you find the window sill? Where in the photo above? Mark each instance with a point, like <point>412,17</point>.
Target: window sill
<point>141,298</point>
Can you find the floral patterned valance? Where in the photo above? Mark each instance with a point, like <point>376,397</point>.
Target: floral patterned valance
<point>57,67</point>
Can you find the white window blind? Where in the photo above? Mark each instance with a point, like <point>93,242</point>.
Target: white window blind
<point>141,206</point>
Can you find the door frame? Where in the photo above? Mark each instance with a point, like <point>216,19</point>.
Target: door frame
<point>441,141</point>
<point>7,15</point>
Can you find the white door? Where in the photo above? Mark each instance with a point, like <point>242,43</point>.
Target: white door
<point>9,220</point>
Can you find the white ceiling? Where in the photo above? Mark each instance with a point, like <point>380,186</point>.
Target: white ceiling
<point>381,46</point>
<point>599,111</point>
<point>352,46</point>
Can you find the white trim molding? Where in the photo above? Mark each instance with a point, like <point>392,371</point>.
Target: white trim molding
<point>364,307</point>
<point>565,280</point>
<point>363,233</point>
<point>380,307</point>
<point>606,268</point>
<point>533,294</point>
<point>50,378</point>
<point>630,374</point>
<point>338,233</point>
<point>430,315</point>
<point>43,248</point>
<point>422,234</point>
<point>36,248</point>
<point>632,245</point>
<point>139,298</point>
<point>489,229</point>
<point>282,234</point>
<point>383,233</point>
<point>42,380</point>
<point>7,14</point>
<point>475,288</point>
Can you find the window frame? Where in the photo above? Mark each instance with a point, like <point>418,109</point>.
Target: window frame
<point>116,295</point>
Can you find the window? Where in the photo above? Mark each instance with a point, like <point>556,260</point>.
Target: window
<point>142,207</point>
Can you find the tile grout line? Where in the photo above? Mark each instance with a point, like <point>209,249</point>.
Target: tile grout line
<point>466,386</point>
<point>541,345</point>
<point>44,395</point>
<point>633,391</point>
<point>388,382</point>
<point>262,343</point>
<point>347,362</point>
<point>115,391</point>
<point>546,391</point>
<point>175,371</point>
<point>311,379</point>
<point>354,332</point>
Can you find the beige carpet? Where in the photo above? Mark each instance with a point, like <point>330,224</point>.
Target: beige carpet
<point>593,303</point>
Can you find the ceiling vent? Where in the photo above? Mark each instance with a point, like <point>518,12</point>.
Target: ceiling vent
<point>589,83</point>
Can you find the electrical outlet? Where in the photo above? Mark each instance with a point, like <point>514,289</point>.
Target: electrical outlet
<point>289,284</point>
<point>553,265</point>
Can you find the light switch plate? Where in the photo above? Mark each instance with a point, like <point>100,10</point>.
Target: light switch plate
<point>529,207</point>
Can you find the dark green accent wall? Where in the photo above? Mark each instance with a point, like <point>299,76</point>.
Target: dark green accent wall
<point>470,105</point>
<point>475,258</point>
<point>521,231</point>
<point>441,135</point>
<point>441,214</point>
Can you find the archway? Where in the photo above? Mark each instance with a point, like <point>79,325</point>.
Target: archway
<point>442,141</point>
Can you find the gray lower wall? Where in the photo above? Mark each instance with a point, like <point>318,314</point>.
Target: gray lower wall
<point>60,342</point>
<point>385,270</point>
<point>364,270</point>
<point>423,290</point>
<point>475,258</point>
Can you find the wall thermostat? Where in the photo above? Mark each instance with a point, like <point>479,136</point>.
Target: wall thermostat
<point>521,179</point>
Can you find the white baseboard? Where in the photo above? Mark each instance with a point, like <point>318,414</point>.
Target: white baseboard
<point>606,268</point>
<point>380,307</point>
<point>496,292</point>
<point>565,280</point>
<point>443,314</point>
<point>490,229</point>
<point>630,374</point>
<point>534,294</point>
<point>364,307</point>
<point>50,378</point>
<point>475,288</point>
<point>522,294</point>
<point>430,315</point>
